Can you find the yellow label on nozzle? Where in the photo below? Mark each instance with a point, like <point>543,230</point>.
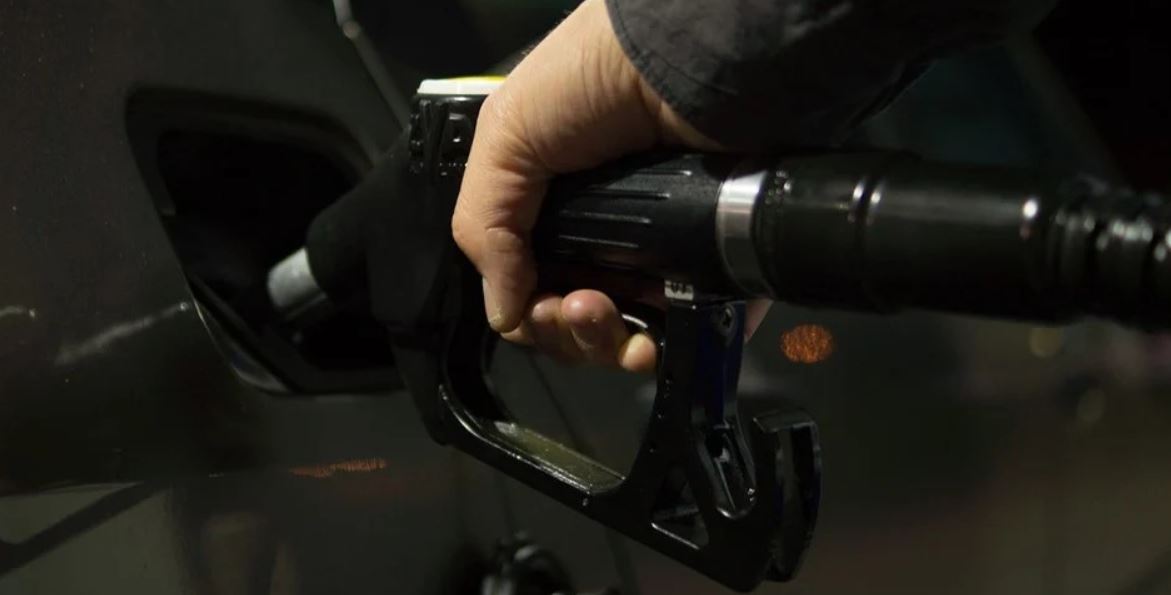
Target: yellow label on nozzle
<point>465,85</point>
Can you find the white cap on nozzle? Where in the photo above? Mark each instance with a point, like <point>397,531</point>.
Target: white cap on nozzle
<point>469,85</point>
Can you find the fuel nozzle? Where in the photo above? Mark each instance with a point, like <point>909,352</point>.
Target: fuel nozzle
<point>874,231</point>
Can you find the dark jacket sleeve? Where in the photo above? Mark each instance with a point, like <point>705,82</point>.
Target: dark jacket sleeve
<point>761,73</point>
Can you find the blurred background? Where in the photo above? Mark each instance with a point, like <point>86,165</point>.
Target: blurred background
<point>960,455</point>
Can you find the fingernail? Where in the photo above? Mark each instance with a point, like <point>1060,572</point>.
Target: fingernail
<point>492,307</point>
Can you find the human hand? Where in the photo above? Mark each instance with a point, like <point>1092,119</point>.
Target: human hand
<point>575,102</point>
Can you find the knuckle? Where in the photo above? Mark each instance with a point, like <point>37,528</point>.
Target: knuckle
<point>488,110</point>
<point>495,116</point>
<point>504,241</point>
<point>462,230</point>
<point>497,107</point>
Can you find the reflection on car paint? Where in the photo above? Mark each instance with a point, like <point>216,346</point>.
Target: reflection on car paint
<point>73,352</point>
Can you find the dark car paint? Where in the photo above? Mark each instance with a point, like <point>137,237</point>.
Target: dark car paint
<point>961,456</point>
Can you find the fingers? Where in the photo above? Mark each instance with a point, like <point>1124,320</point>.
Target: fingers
<point>498,202</point>
<point>544,328</point>
<point>600,333</point>
<point>595,324</point>
<point>638,354</point>
<point>574,102</point>
<point>584,326</point>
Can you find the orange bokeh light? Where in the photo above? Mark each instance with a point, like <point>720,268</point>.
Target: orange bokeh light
<point>331,469</point>
<point>807,344</point>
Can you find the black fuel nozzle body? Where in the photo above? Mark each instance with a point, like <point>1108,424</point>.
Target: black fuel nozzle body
<point>735,499</point>
<point>870,231</point>
<point>876,232</point>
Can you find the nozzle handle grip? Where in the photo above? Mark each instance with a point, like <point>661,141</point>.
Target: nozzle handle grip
<point>652,215</point>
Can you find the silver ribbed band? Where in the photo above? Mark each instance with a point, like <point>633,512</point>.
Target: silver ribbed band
<point>734,210</point>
